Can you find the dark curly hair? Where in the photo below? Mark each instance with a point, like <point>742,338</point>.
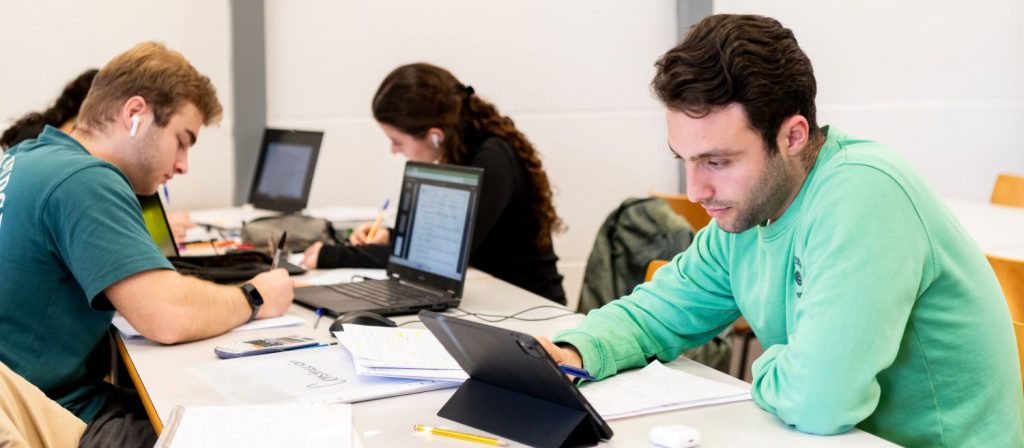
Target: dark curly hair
<point>747,59</point>
<point>416,97</point>
<point>64,109</point>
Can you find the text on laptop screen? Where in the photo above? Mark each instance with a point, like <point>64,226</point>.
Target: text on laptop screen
<point>284,170</point>
<point>433,220</point>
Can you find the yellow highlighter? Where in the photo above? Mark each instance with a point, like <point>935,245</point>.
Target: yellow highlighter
<point>460,435</point>
<point>376,222</point>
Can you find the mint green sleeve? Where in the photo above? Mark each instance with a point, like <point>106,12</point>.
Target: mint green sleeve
<point>866,257</point>
<point>686,303</point>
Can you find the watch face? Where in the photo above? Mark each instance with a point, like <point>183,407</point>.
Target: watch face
<point>252,295</point>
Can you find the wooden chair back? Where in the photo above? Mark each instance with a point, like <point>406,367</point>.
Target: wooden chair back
<point>691,212</point>
<point>1018,328</point>
<point>1009,190</point>
<point>653,266</point>
<point>1011,278</point>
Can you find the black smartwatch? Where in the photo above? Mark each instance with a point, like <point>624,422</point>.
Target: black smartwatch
<point>252,295</point>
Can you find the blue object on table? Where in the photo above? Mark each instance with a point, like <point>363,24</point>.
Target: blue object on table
<point>577,372</point>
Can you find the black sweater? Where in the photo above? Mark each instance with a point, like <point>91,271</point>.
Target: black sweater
<point>502,243</point>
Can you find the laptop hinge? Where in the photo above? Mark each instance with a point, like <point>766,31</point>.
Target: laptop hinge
<point>424,289</point>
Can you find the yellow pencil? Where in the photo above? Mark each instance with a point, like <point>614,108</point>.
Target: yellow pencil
<point>376,222</point>
<point>460,435</point>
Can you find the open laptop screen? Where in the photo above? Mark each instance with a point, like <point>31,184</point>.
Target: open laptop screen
<point>156,222</point>
<point>284,172</point>
<point>435,216</point>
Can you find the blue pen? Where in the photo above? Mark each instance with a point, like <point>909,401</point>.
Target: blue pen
<point>319,314</point>
<point>577,372</point>
<point>167,195</point>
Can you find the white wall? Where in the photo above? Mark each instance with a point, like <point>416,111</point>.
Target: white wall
<point>573,75</point>
<point>942,82</point>
<point>939,81</point>
<point>43,45</point>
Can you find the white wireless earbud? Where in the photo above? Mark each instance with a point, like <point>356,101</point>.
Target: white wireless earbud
<point>135,125</point>
<point>437,140</point>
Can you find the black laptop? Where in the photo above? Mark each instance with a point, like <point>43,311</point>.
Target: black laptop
<point>156,222</point>
<point>426,269</point>
<point>284,171</point>
<point>160,230</point>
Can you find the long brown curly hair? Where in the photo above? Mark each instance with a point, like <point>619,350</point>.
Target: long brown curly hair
<point>416,97</point>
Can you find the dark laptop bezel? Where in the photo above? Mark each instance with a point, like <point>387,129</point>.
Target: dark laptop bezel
<point>445,292</point>
<point>155,198</point>
<point>312,139</point>
<point>400,272</point>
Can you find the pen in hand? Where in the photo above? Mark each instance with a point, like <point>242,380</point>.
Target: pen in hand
<point>376,222</point>
<point>279,251</point>
<point>577,372</point>
<point>319,314</point>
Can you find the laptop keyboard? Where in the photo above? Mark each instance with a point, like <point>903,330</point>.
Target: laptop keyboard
<point>385,293</point>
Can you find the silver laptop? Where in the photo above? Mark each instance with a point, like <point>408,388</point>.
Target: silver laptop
<point>426,269</point>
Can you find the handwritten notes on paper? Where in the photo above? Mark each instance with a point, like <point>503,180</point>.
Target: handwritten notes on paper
<point>399,352</point>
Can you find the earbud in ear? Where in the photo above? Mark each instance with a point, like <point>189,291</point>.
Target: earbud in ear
<point>437,140</point>
<point>135,125</point>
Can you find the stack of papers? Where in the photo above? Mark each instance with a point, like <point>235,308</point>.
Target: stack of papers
<point>399,353</point>
<point>656,388</point>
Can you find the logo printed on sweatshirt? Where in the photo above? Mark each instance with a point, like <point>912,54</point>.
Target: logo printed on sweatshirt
<point>798,277</point>
<point>6,167</point>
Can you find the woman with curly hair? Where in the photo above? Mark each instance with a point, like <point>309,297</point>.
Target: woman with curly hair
<point>430,116</point>
<point>61,114</point>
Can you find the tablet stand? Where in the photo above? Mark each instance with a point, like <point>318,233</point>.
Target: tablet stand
<point>519,417</point>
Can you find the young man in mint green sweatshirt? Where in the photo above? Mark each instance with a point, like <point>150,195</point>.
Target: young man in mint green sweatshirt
<point>878,311</point>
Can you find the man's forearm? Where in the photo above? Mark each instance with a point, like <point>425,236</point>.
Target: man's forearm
<point>169,308</point>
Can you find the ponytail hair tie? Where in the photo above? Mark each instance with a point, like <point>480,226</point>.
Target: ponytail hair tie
<point>469,90</point>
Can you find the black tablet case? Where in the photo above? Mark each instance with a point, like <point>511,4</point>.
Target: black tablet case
<point>515,389</point>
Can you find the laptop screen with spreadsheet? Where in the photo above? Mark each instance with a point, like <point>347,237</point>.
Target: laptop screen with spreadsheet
<point>434,223</point>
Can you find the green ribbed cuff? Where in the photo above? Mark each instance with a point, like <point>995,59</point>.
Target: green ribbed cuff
<point>587,345</point>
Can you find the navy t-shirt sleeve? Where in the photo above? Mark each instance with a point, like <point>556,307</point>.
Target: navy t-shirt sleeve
<point>96,227</point>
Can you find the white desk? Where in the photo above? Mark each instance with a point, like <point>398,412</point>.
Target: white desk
<point>994,227</point>
<point>166,382</point>
<point>233,217</point>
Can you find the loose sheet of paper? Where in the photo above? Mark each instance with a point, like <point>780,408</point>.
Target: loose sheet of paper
<point>128,331</point>
<point>274,426</point>
<point>656,388</point>
<point>309,375</point>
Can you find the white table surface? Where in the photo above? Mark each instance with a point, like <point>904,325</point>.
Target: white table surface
<point>163,371</point>
<point>232,217</point>
<point>994,227</point>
